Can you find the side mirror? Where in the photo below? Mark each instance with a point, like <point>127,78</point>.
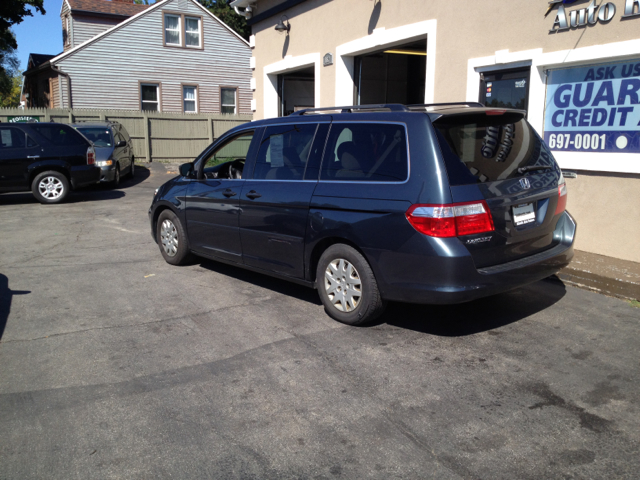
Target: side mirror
<point>186,169</point>
<point>121,143</point>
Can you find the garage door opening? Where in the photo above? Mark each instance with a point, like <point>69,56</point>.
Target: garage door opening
<point>394,75</point>
<point>296,91</point>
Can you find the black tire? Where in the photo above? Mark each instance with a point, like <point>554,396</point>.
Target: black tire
<point>172,242</point>
<point>115,183</point>
<point>344,300</point>
<point>132,167</point>
<point>50,187</point>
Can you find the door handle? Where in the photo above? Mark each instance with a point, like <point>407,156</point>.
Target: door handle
<point>229,193</point>
<point>253,194</point>
<point>33,156</point>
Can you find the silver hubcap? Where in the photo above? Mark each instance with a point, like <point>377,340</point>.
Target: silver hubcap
<point>51,188</point>
<point>169,237</point>
<point>342,284</point>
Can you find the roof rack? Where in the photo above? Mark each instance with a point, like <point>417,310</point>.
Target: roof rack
<point>450,104</point>
<point>392,107</point>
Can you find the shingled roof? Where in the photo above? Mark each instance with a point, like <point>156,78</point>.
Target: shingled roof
<point>107,7</point>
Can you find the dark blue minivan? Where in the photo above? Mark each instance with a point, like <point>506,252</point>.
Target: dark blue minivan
<point>433,204</point>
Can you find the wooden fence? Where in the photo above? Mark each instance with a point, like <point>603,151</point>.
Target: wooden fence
<point>171,137</point>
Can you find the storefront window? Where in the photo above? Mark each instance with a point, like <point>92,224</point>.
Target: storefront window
<point>594,108</point>
<point>505,89</point>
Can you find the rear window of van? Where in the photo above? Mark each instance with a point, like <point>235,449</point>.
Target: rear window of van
<point>481,148</point>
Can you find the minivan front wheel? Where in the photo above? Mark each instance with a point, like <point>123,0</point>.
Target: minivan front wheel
<point>347,286</point>
<point>171,238</point>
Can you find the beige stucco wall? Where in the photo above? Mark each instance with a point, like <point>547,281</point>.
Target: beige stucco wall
<point>607,209</point>
<point>465,29</point>
<point>606,205</point>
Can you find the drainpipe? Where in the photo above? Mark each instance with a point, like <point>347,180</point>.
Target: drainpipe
<point>60,72</point>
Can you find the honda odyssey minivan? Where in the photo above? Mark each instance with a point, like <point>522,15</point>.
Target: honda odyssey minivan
<point>433,204</point>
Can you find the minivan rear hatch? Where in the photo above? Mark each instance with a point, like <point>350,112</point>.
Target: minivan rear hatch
<point>496,156</point>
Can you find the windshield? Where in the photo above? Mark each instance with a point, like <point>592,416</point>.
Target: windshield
<point>100,136</point>
<point>485,148</point>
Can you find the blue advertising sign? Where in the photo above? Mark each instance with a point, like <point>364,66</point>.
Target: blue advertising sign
<point>594,109</point>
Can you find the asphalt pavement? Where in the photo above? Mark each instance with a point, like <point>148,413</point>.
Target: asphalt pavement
<point>114,364</point>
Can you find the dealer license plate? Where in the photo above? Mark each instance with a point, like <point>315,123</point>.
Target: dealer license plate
<point>523,214</point>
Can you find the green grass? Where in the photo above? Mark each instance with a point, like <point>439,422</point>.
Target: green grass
<point>634,303</point>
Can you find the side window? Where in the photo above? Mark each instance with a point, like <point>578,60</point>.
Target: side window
<point>124,133</point>
<point>117,136</point>
<point>31,142</point>
<point>228,159</point>
<point>12,138</point>
<point>59,135</point>
<point>284,152</point>
<point>366,152</point>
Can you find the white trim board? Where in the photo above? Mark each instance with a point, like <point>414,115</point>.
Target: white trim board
<point>289,64</point>
<point>379,39</point>
<point>541,62</point>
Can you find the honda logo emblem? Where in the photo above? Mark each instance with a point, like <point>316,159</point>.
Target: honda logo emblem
<point>524,183</point>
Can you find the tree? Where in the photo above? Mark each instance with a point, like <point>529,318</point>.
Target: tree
<point>143,2</point>
<point>12,12</point>
<point>12,100</point>
<point>222,10</point>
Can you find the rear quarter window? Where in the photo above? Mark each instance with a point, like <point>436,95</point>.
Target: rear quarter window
<point>11,138</point>
<point>365,152</point>
<point>59,135</point>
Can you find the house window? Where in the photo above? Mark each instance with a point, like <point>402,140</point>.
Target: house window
<point>192,31</point>
<point>190,99</point>
<point>150,96</point>
<point>172,30</point>
<point>228,100</point>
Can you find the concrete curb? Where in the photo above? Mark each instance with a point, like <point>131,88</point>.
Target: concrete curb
<point>607,275</point>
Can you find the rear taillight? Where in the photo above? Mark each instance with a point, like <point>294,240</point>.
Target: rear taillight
<point>562,197</point>
<point>452,220</point>
<point>91,156</point>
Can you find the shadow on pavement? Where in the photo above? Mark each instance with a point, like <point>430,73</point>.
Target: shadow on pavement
<point>477,316</point>
<point>443,320</point>
<point>142,173</point>
<point>264,281</point>
<point>91,194</point>
<point>5,301</point>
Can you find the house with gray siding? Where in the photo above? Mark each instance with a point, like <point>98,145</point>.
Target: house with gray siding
<point>172,56</point>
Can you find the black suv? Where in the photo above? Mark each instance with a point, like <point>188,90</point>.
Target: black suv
<point>47,158</point>
<point>427,204</point>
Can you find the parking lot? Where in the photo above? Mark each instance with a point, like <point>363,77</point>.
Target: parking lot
<point>114,364</point>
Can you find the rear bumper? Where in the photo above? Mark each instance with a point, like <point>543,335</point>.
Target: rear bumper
<point>455,279</point>
<point>84,175</point>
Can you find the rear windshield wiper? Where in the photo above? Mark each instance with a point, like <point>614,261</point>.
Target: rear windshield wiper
<point>531,168</point>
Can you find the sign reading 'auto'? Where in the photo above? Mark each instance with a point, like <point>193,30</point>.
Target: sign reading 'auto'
<point>594,109</point>
<point>590,15</point>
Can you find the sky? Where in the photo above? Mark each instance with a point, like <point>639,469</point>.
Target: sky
<point>40,33</point>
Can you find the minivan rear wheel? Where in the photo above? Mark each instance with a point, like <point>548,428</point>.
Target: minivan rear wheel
<point>347,286</point>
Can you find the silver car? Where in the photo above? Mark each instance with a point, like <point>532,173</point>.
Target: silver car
<point>114,151</point>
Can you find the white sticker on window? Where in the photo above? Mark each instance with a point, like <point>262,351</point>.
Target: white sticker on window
<point>276,144</point>
<point>6,138</point>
